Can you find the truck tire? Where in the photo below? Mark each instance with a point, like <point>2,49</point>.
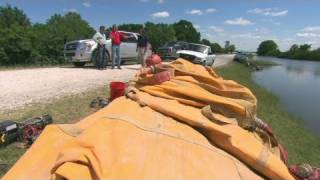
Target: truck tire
<point>79,64</point>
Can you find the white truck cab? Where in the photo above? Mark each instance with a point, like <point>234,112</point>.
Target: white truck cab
<point>198,54</point>
<point>80,52</point>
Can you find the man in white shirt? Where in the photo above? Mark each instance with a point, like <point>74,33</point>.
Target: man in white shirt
<point>100,38</point>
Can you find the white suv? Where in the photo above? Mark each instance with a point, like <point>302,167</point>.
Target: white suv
<point>81,52</point>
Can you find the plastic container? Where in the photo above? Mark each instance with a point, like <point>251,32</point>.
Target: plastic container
<point>153,60</point>
<point>117,90</point>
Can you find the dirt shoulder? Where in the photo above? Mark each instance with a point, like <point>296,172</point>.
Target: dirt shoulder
<point>22,87</point>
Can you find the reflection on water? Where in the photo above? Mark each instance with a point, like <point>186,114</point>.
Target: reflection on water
<point>297,83</point>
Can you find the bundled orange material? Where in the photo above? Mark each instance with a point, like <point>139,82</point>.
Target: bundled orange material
<point>191,127</point>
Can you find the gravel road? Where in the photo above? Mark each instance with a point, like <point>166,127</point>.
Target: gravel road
<point>21,87</point>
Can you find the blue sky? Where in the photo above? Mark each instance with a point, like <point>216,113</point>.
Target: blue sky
<point>244,22</point>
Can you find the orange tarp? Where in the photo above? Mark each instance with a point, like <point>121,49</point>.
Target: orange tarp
<point>191,127</point>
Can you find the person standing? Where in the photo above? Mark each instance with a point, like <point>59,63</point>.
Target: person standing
<point>116,38</point>
<point>142,47</point>
<point>100,38</point>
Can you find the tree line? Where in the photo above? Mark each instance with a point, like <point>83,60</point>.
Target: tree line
<point>22,42</point>
<point>300,52</point>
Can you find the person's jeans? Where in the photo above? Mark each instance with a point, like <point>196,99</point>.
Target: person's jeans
<point>101,60</point>
<point>116,55</point>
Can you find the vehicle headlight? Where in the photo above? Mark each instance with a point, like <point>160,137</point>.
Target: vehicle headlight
<point>198,59</point>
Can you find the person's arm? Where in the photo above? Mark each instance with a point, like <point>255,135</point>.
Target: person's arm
<point>124,36</point>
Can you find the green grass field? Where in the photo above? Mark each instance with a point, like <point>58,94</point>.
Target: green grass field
<point>301,144</point>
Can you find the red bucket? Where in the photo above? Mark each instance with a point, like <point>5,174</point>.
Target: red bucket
<point>117,90</point>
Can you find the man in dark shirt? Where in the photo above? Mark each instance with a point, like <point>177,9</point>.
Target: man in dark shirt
<point>142,47</point>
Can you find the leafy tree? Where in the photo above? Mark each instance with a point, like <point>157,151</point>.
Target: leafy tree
<point>61,29</point>
<point>130,27</point>
<point>294,48</point>
<point>186,32</point>
<point>206,42</point>
<point>15,44</point>
<point>12,16</point>
<point>24,43</point>
<point>159,34</point>
<point>268,48</point>
<point>305,47</point>
<point>216,48</point>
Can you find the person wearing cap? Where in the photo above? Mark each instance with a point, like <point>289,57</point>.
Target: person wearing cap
<point>142,47</point>
<point>100,38</point>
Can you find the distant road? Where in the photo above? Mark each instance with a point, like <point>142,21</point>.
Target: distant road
<point>223,59</point>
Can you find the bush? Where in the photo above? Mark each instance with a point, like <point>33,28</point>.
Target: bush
<point>268,48</point>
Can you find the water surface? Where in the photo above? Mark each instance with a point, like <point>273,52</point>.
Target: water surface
<point>297,84</point>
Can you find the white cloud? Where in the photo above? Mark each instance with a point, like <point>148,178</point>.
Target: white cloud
<point>86,4</point>
<point>161,14</point>
<point>239,21</point>
<point>306,34</point>
<point>196,26</point>
<point>195,12</point>
<point>272,21</point>
<point>269,12</point>
<point>309,32</point>
<point>70,10</point>
<point>216,29</point>
<point>201,12</point>
<point>262,30</point>
<point>160,1</point>
<point>311,29</point>
<point>246,35</point>
<point>210,10</point>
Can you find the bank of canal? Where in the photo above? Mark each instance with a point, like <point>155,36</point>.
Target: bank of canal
<point>302,145</point>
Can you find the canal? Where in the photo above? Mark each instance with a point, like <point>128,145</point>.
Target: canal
<point>297,84</point>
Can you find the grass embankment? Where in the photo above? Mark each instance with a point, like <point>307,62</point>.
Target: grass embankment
<point>68,109</point>
<point>302,145</point>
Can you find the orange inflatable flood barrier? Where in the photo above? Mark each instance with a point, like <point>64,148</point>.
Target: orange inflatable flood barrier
<point>194,126</point>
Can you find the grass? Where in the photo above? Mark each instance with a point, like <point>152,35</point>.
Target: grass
<point>302,145</point>
<point>68,109</point>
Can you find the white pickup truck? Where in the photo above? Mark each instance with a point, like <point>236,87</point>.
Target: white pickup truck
<point>198,54</point>
<point>81,52</point>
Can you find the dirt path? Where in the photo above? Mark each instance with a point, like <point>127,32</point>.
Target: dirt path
<point>21,87</point>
